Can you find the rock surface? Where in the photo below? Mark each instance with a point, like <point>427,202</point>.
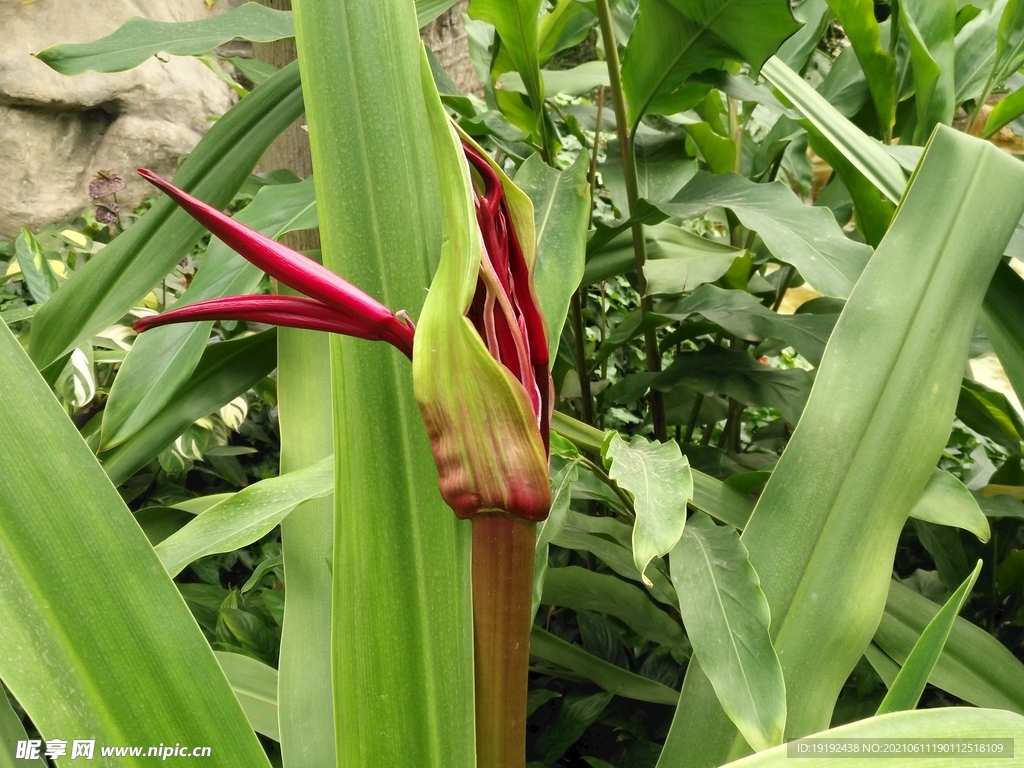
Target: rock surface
<point>56,132</point>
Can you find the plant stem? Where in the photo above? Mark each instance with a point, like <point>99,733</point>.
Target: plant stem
<point>698,401</point>
<point>503,556</point>
<point>639,242</point>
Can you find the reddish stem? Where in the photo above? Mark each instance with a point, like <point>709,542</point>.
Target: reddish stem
<point>503,557</point>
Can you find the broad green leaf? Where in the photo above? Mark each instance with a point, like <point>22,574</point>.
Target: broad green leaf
<point>516,23</point>
<point>138,39</point>
<point>577,81</point>
<point>946,501</point>
<point>1009,41</point>
<point>930,25</point>
<point>550,648</point>
<point>861,455</point>
<point>717,151</point>
<point>162,359</point>
<point>974,665</point>
<point>383,235</point>
<point>306,686</point>
<point>975,54</point>
<point>583,590</point>
<point>815,16</point>
<point>225,371</point>
<point>428,10</point>
<point>657,476</point>
<point>561,209</point>
<point>561,494</point>
<point>100,293</point>
<point>662,168</point>
<point>726,617</point>
<point>741,314</point>
<point>864,152</point>
<point>36,270</point>
<point>740,376</point>
<point>944,723</point>
<point>95,638</point>
<point>246,517</point>
<point>906,690</point>
<point>578,713</point>
<point>255,685</point>
<point>858,20</point>
<point>677,261</point>
<point>806,237</point>
<point>673,40</point>
<point>564,26</point>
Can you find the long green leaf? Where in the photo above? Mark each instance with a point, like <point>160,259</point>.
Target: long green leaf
<point>583,590</point>
<point>11,732</point>
<point>306,687</point>
<point>246,516</point>
<point>548,647</point>
<point>839,496</point>
<point>138,39</point>
<point>930,25</point>
<point>948,724</point>
<point>726,617</point>
<point>1002,322</point>
<point>94,638</point>
<point>906,690</point>
<point>255,685</point>
<point>226,370</point>
<point>36,270</point>
<point>974,665</point>
<point>101,292</point>
<point>674,39</point>
<point>361,65</point>
<point>161,360</point>
<point>946,501</point>
<point>561,206</point>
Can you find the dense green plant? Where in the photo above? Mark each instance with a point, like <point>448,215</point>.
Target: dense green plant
<point>800,442</point>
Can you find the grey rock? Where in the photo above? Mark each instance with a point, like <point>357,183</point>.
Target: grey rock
<point>56,132</point>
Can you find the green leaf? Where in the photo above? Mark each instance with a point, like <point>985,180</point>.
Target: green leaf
<point>864,152</point>
<point>974,666</point>
<point>940,724</point>
<point>582,590</point>
<point>738,375</point>
<point>719,152</point>
<point>858,20</point>
<point>657,476</point>
<point>385,238</point>
<point>161,360</point>
<point>564,26</point>
<point>1002,322</point>
<point>36,269</point>
<point>578,713</point>
<point>577,81</point>
<point>101,292</point>
<point>662,168</point>
<point>11,732</point>
<point>726,617</point>
<point>861,455</point>
<point>906,691</point>
<point>741,314</point>
<point>515,21</point>
<point>614,679</point>
<point>815,16</point>
<point>428,10</point>
<point>95,638</point>
<point>255,685</point>
<point>677,261</point>
<point>930,25</point>
<point>975,54</point>
<point>946,501</point>
<point>1009,42</point>
<point>673,40</point>
<point>138,39</point>
<point>225,371</point>
<point>245,517</point>
<point>1004,112</point>
<point>806,237</point>
<point>306,685</point>
<point>561,209</point>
